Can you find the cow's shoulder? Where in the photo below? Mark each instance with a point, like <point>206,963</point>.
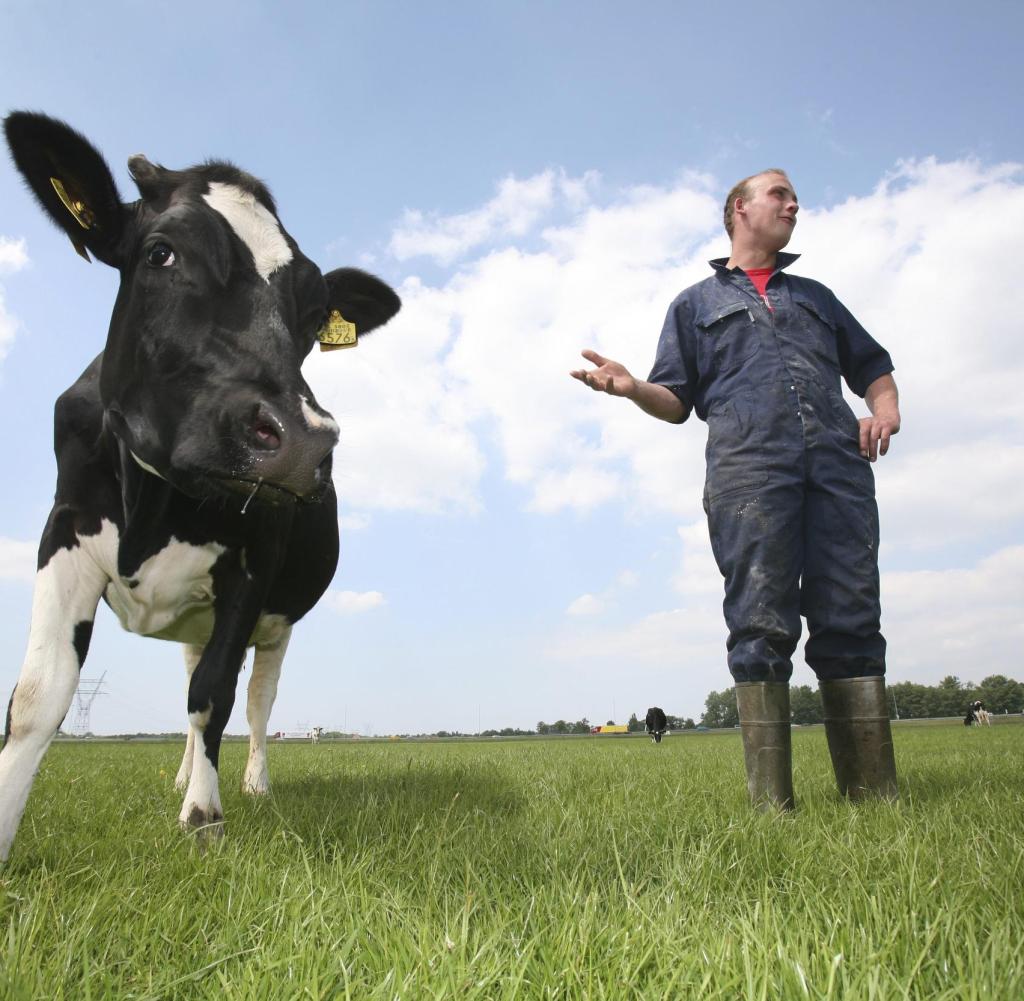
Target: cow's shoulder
<point>87,491</point>
<point>87,480</point>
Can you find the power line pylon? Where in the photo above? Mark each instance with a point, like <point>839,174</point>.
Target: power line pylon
<point>88,689</point>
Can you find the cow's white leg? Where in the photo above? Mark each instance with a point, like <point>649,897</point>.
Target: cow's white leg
<point>266,670</point>
<point>192,655</point>
<point>201,809</point>
<point>67,590</point>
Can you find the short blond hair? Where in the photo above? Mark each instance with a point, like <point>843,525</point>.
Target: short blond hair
<point>741,189</point>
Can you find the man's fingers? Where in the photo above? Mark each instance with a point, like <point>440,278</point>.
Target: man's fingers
<point>594,357</point>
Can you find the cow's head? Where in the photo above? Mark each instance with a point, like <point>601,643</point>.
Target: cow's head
<point>216,310</point>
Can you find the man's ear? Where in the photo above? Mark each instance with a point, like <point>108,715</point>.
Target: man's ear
<point>361,298</point>
<point>71,181</point>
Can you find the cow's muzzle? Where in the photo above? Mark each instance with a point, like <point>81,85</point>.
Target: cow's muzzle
<point>288,453</point>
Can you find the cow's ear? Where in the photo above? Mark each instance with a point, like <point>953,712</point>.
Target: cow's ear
<point>71,181</point>
<point>361,298</point>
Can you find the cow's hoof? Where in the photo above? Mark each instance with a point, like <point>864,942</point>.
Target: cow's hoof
<point>258,787</point>
<point>207,826</point>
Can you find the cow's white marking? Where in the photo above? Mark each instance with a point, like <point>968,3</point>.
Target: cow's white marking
<point>315,420</point>
<point>192,655</point>
<point>171,593</point>
<point>202,799</point>
<point>254,224</point>
<point>67,590</point>
<point>266,670</point>
<point>170,596</point>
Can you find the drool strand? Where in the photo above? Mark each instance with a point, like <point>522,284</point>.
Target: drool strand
<point>255,490</point>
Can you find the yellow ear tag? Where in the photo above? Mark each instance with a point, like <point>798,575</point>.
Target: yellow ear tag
<point>336,333</point>
<point>82,213</point>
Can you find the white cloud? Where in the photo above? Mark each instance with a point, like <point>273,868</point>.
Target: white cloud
<point>477,366</point>
<point>596,604</point>
<point>13,257</point>
<point>698,573</point>
<point>354,602</point>
<point>13,254</point>
<point>936,497</point>
<point>964,621</point>
<point>689,637</point>
<point>585,604</point>
<point>18,560</point>
<point>353,521</point>
<point>513,212</point>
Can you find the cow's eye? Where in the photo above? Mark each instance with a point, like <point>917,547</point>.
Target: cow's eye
<point>160,256</point>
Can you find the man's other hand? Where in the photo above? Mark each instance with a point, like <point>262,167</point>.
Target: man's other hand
<point>883,400</point>
<point>875,432</point>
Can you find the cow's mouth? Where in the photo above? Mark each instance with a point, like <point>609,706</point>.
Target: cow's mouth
<point>259,491</point>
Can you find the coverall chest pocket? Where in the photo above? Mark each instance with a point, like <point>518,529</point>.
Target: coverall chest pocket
<point>729,336</point>
<point>822,332</point>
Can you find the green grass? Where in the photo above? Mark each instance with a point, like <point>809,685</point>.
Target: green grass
<point>590,868</point>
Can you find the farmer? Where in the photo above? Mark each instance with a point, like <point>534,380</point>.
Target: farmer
<point>789,494</point>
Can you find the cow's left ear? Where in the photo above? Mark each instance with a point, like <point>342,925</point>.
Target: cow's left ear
<point>361,298</point>
<point>71,181</point>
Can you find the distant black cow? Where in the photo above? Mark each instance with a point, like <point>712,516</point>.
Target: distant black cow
<point>977,715</point>
<point>194,490</point>
<point>656,724</point>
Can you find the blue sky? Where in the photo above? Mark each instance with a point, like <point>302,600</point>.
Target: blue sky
<point>536,179</point>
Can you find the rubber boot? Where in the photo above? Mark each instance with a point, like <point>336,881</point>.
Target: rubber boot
<point>860,737</point>
<point>767,743</point>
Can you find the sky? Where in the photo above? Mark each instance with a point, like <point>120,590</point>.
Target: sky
<point>536,179</point>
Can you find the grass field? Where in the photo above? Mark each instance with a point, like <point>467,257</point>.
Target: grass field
<point>589,868</point>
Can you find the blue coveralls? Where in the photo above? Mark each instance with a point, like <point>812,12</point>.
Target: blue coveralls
<point>790,501</point>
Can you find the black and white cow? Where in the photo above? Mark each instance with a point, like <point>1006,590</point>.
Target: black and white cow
<point>977,715</point>
<point>656,723</point>
<point>194,489</point>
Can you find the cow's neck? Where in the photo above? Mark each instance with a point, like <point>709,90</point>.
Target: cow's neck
<point>154,511</point>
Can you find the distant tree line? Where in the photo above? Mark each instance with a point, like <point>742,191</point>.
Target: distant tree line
<point>950,697</point>
<point>584,725</point>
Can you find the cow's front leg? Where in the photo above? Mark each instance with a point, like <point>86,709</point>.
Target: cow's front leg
<point>67,589</point>
<point>266,670</point>
<point>238,597</point>
<point>192,655</point>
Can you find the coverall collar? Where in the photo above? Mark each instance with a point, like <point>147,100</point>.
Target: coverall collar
<point>782,261</point>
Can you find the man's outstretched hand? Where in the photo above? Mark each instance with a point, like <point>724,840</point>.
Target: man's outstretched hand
<point>609,376</point>
<point>614,379</point>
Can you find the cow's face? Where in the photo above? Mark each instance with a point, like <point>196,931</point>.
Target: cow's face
<point>216,310</point>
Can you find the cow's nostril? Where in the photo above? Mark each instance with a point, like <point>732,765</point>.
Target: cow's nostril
<point>266,437</point>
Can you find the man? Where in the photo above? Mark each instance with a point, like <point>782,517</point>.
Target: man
<point>789,495</point>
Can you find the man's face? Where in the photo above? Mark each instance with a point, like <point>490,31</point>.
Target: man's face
<point>770,213</point>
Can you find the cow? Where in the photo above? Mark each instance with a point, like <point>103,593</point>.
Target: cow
<point>194,490</point>
<point>315,734</point>
<point>656,724</point>
<point>977,715</point>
